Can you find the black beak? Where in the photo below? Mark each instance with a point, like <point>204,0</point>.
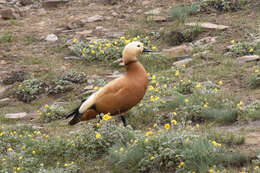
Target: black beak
<point>147,50</point>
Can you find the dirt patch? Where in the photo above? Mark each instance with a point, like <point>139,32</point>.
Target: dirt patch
<point>15,76</point>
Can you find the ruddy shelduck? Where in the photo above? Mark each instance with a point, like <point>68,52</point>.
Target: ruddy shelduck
<point>119,95</point>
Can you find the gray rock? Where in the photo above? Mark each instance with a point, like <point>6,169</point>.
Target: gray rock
<point>85,32</point>
<point>206,40</point>
<point>208,25</point>
<point>153,12</point>
<point>16,115</point>
<point>157,18</point>
<point>9,14</point>
<point>3,2</point>
<point>26,2</point>
<point>89,87</point>
<point>177,49</point>
<point>4,100</point>
<point>182,62</point>
<point>114,34</point>
<point>248,58</point>
<point>95,18</point>
<point>72,58</point>
<point>2,89</point>
<point>51,38</point>
<point>53,3</point>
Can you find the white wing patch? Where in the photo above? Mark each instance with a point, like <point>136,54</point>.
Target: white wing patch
<point>88,103</point>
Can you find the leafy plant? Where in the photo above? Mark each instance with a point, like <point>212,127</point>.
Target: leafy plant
<point>104,50</point>
<point>49,113</point>
<point>29,89</point>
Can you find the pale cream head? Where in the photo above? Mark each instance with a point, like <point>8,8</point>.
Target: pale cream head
<point>131,51</point>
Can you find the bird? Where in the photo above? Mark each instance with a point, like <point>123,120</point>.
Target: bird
<point>119,95</point>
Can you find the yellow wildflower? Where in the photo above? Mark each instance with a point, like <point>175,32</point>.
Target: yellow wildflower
<point>165,86</point>
<point>10,149</point>
<point>251,50</point>
<point>232,41</point>
<point>187,140</point>
<point>205,105</point>
<point>91,46</point>
<point>107,117</point>
<point>98,135</point>
<point>167,126</point>
<point>121,149</point>
<point>98,125</point>
<point>33,152</point>
<point>151,88</point>
<point>65,164</point>
<point>198,85</point>
<point>211,171</point>
<point>20,158</point>
<point>122,38</point>
<point>216,90</point>
<point>93,52</point>
<point>134,39</point>
<point>18,169</point>
<point>256,70</point>
<point>75,40</point>
<point>153,77</point>
<point>127,41</point>
<point>198,126</point>
<point>186,100</point>
<point>174,122</point>
<point>220,83</point>
<point>181,164</point>
<point>141,104</point>
<point>177,73</point>
<point>146,140</point>
<point>148,133</point>
<point>154,48</point>
<point>155,125</point>
<point>256,167</point>
<point>96,88</point>
<point>46,106</point>
<point>152,158</point>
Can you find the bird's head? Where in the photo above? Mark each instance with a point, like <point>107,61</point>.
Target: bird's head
<point>133,50</point>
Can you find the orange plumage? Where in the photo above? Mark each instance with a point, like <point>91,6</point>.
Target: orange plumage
<point>119,95</point>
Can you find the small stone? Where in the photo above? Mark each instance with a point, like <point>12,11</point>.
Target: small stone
<point>144,3</point>
<point>206,40</point>
<point>182,62</point>
<point>114,34</point>
<point>177,49</point>
<point>114,14</point>
<point>75,24</point>
<point>95,18</point>
<point>2,89</point>
<point>200,54</point>
<point>3,62</point>
<point>248,58</point>
<point>153,12</point>
<point>3,2</point>
<point>71,58</point>
<point>157,18</point>
<point>51,38</point>
<point>4,100</point>
<point>89,87</point>
<point>15,76</point>
<point>100,28</point>
<point>208,25</point>
<point>118,61</point>
<point>90,81</point>
<point>54,3</point>
<point>16,115</point>
<point>9,14</point>
<point>85,32</point>
<point>26,2</point>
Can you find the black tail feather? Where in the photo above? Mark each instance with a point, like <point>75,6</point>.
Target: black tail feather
<point>76,117</point>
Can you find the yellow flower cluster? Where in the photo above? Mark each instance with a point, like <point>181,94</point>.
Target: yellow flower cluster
<point>216,144</point>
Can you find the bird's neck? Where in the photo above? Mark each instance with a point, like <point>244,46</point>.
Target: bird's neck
<point>135,68</point>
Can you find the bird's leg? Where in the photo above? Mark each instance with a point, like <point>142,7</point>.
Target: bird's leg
<point>123,120</point>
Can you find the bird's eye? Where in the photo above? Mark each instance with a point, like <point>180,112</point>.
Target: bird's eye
<point>138,45</point>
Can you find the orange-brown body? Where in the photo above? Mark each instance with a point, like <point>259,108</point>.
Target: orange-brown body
<point>119,95</point>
